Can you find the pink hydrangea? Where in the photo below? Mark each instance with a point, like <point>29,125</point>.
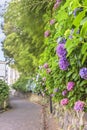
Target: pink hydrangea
<point>64,101</point>
<point>64,92</point>
<point>79,106</point>
<point>52,21</point>
<point>47,33</point>
<point>56,5</point>
<point>48,70</point>
<point>70,86</point>
<point>46,65</point>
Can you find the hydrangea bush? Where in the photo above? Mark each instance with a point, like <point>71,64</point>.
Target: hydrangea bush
<point>64,60</point>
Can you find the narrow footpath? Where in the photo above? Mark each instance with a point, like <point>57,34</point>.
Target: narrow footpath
<point>24,115</point>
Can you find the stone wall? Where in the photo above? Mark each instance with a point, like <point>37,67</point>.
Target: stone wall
<point>69,119</point>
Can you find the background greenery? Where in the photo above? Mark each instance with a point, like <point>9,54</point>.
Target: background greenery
<point>4,92</point>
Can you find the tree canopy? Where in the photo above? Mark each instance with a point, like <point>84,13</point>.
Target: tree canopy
<point>24,27</point>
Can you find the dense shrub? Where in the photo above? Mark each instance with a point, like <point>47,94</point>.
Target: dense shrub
<point>66,54</point>
<point>4,91</point>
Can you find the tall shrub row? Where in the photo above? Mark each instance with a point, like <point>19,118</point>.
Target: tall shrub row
<point>63,65</point>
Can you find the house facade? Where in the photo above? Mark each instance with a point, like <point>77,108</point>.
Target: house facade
<point>8,74</point>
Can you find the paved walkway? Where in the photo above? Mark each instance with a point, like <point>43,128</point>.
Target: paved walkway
<point>23,116</point>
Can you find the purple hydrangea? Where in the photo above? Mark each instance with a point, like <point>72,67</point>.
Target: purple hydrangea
<point>64,92</point>
<point>83,73</point>
<point>70,86</point>
<point>64,101</point>
<point>55,90</point>
<point>47,33</point>
<point>63,63</point>
<point>56,5</point>
<point>60,50</point>
<point>52,21</point>
<point>46,65</point>
<point>79,106</point>
<point>70,36</point>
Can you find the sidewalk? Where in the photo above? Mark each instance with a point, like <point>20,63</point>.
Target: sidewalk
<point>49,121</point>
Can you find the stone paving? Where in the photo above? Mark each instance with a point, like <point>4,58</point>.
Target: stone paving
<point>24,115</point>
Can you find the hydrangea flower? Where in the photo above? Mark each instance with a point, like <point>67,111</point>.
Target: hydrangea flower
<point>83,73</point>
<point>70,86</point>
<point>79,106</point>
<point>46,65</point>
<point>64,92</point>
<point>60,50</point>
<point>56,5</point>
<point>47,33</point>
<point>64,101</point>
<point>48,70</point>
<point>77,10</point>
<point>63,63</point>
<point>61,40</point>
<point>44,78</point>
<point>55,90</point>
<point>52,21</point>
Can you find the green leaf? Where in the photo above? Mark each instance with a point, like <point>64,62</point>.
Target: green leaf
<point>84,30</point>
<point>83,21</point>
<point>78,19</point>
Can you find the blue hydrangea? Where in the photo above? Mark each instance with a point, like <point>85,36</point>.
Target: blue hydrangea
<point>63,63</point>
<point>75,12</point>
<point>61,51</point>
<point>83,73</point>
<point>61,40</point>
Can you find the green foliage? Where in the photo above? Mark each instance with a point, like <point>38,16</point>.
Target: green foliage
<point>4,91</point>
<point>71,25</point>
<point>24,84</point>
<point>24,27</point>
<point>21,84</point>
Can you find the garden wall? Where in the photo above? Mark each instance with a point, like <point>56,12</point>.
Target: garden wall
<point>69,119</point>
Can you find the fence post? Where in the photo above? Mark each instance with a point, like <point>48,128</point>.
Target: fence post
<point>51,104</point>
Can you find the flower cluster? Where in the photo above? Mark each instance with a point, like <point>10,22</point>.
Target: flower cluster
<point>47,33</point>
<point>83,73</point>
<point>44,78</point>
<point>61,52</point>
<point>63,63</point>
<point>52,21</point>
<point>64,92</point>
<point>70,86</point>
<point>61,40</point>
<point>79,106</point>
<point>75,12</point>
<point>56,90</point>
<point>64,101</point>
<point>46,65</point>
<point>56,5</point>
<point>48,70</point>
